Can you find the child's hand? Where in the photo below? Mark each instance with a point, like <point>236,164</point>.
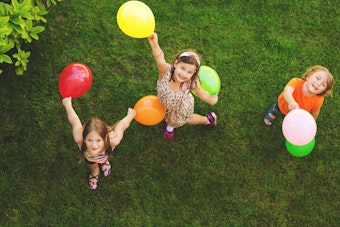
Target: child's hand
<point>67,101</point>
<point>153,39</point>
<point>131,112</point>
<point>293,106</point>
<point>215,99</point>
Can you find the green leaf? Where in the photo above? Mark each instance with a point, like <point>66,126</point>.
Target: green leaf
<point>27,54</point>
<point>18,21</point>
<point>4,20</point>
<point>43,19</point>
<point>37,29</point>
<point>5,9</point>
<point>40,5</point>
<point>29,39</point>
<point>16,56</point>
<point>5,58</point>
<point>5,31</point>
<point>28,15</point>
<point>19,71</point>
<point>24,64</point>
<point>43,12</point>
<point>26,4</point>
<point>18,29</point>
<point>48,2</point>
<point>5,48</point>
<point>29,25</point>
<point>15,4</point>
<point>34,36</point>
<point>24,35</point>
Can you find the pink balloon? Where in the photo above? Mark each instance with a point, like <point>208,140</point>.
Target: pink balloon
<point>299,127</point>
<point>75,80</point>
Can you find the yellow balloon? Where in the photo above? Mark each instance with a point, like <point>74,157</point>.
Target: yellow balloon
<point>136,19</point>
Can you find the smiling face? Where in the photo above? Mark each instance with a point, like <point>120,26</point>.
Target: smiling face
<point>316,83</point>
<point>94,143</point>
<point>183,71</point>
<point>94,136</point>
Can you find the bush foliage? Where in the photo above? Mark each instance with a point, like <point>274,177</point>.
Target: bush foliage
<point>20,23</point>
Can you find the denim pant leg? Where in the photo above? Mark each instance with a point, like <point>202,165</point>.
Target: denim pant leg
<point>275,109</point>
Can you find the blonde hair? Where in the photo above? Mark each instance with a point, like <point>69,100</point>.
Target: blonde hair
<point>330,79</point>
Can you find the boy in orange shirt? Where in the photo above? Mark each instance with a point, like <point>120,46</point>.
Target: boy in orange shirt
<point>306,93</point>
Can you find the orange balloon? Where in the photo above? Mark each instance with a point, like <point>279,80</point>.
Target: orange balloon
<point>149,110</point>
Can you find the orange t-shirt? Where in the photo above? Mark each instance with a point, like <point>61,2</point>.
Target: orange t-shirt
<point>307,103</point>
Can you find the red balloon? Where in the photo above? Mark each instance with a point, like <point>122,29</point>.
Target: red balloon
<point>75,80</point>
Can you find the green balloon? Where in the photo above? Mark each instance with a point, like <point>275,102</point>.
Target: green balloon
<point>210,81</point>
<point>300,151</point>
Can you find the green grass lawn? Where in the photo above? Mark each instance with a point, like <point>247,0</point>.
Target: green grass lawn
<point>236,174</point>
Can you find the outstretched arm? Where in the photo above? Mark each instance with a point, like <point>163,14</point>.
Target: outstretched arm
<point>117,133</point>
<point>158,54</point>
<point>288,96</point>
<point>77,128</point>
<point>204,95</point>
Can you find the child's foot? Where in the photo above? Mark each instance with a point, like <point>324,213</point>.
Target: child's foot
<point>269,119</point>
<point>106,168</point>
<point>212,117</point>
<point>169,135</point>
<point>93,182</point>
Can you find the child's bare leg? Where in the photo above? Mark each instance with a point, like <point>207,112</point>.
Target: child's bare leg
<point>94,169</point>
<point>197,119</point>
<point>94,176</point>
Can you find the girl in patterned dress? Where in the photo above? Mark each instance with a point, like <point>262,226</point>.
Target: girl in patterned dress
<point>96,140</point>
<point>174,85</point>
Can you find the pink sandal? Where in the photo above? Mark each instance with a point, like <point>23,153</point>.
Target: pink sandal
<point>212,117</point>
<point>107,170</point>
<point>93,182</point>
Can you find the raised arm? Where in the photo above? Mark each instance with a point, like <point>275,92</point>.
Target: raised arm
<point>158,54</point>
<point>117,133</point>
<point>77,128</point>
<point>204,95</point>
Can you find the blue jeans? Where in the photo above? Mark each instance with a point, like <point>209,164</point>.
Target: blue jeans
<point>275,110</point>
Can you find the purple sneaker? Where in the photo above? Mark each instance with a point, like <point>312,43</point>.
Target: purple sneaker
<point>169,135</point>
<point>212,117</point>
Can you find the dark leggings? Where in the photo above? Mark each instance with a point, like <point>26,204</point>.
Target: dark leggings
<point>88,162</point>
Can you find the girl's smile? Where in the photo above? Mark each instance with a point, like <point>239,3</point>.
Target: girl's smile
<point>94,142</point>
<point>184,72</point>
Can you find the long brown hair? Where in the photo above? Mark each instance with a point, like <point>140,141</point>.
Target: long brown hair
<point>99,126</point>
<point>188,60</point>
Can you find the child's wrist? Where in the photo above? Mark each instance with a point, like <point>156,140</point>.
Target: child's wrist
<point>158,54</point>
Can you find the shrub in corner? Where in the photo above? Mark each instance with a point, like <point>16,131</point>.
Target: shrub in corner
<point>20,23</point>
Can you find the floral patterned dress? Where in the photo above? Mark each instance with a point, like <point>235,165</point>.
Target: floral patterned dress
<point>179,104</point>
